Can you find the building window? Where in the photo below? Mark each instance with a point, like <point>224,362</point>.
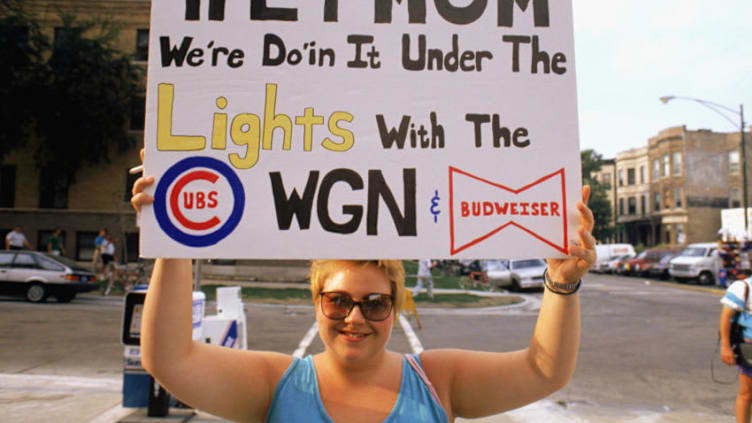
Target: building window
<point>7,186</point>
<point>621,207</point>
<point>678,198</point>
<point>621,177</point>
<point>681,238</point>
<point>677,163</point>
<point>735,197</point>
<point>642,174</point>
<point>643,205</point>
<point>667,240</point>
<point>733,161</point>
<point>631,176</point>
<point>667,199</point>
<point>656,169</point>
<point>131,247</point>
<point>53,190</point>
<point>142,45</point>
<point>138,112</point>
<point>656,201</point>
<point>632,204</point>
<point>666,166</point>
<point>129,181</point>
<point>85,245</point>
<point>606,179</point>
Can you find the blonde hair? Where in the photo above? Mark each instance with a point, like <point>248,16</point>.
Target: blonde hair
<point>393,270</point>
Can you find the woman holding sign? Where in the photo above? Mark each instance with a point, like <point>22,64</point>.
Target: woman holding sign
<point>356,378</point>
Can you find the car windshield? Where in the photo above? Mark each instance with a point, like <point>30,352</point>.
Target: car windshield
<point>667,258</point>
<point>642,255</point>
<point>495,265</point>
<point>694,252</point>
<point>68,262</point>
<point>524,264</point>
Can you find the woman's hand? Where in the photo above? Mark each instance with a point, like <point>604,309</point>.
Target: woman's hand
<point>727,355</point>
<point>140,198</point>
<point>572,269</point>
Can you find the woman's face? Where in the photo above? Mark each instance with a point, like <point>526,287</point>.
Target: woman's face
<point>355,338</point>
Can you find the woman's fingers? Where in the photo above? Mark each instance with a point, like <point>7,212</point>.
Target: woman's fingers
<point>140,198</point>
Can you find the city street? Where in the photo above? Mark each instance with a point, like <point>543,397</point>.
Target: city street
<point>645,355</point>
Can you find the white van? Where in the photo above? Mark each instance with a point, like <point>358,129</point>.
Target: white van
<point>699,262</point>
<point>608,252</point>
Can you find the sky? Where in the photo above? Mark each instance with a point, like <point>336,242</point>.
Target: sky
<point>629,53</point>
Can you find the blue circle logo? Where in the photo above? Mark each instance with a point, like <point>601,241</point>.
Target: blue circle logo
<point>189,201</point>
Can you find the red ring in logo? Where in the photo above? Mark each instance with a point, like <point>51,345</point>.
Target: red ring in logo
<point>179,185</point>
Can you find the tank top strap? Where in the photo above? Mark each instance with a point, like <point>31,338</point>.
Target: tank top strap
<point>422,374</point>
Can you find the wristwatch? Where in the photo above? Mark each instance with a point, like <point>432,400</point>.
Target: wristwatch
<point>561,288</point>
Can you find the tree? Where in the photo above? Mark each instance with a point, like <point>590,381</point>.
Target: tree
<point>22,74</point>
<point>79,104</point>
<point>599,203</point>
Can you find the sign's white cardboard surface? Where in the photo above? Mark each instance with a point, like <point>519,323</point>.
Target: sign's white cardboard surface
<point>361,129</point>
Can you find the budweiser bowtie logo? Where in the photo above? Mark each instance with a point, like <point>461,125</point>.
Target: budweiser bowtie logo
<point>479,209</point>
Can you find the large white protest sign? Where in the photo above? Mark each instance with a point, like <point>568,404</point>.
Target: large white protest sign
<point>361,129</point>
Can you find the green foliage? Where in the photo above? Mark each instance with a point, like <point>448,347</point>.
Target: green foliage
<point>599,203</point>
<point>79,93</point>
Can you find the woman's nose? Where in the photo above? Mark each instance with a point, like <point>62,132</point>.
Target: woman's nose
<point>356,315</point>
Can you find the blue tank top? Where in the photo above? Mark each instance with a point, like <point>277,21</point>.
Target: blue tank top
<point>297,398</point>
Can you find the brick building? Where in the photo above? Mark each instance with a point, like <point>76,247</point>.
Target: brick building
<point>672,191</point>
<point>32,198</point>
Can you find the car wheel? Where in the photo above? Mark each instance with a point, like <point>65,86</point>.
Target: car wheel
<point>516,285</point>
<point>705,278</point>
<point>66,297</point>
<point>36,293</point>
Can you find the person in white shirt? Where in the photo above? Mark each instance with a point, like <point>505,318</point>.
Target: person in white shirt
<point>107,248</point>
<point>16,240</point>
<point>424,278</point>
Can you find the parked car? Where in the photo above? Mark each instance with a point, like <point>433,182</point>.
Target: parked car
<point>615,265</point>
<point>641,265</point>
<point>660,269</point>
<point>517,274</point>
<point>38,275</point>
<point>608,252</point>
<point>698,262</point>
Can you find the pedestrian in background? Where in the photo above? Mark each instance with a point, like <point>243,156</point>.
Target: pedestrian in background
<point>108,262</point>
<point>55,243</point>
<point>424,278</point>
<point>736,302</point>
<point>16,240</point>
<point>96,258</point>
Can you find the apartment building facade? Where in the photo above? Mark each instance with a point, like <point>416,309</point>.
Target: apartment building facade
<point>672,191</point>
<point>99,197</point>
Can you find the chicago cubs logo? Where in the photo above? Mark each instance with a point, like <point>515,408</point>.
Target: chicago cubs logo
<point>199,201</point>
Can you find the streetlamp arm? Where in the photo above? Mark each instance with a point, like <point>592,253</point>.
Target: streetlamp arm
<point>710,105</point>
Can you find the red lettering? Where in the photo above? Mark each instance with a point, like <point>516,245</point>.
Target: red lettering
<point>487,208</point>
<point>555,209</point>
<point>513,209</point>
<point>535,212</point>
<point>501,209</point>
<point>544,211</point>
<point>465,209</point>
<point>524,209</point>
<point>188,200</point>
<point>476,208</point>
<point>213,199</point>
<point>200,200</point>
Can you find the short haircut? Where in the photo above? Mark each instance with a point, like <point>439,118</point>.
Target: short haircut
<point>394,271</point>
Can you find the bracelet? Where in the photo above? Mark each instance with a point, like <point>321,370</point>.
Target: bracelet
<point>560,288</point>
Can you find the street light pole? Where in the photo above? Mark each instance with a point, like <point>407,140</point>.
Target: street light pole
<point>717,108</point>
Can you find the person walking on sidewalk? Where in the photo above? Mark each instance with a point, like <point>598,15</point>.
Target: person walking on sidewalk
<point>55,243</point>
<point>424,278</point>
<point>736,304</point>
<point>16,240</point>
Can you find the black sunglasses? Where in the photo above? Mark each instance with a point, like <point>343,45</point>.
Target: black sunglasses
<point>338,305</point>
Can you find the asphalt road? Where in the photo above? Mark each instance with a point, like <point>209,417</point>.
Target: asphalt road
<point>645,354</point>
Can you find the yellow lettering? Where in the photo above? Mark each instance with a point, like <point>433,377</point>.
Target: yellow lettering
<point>165,140</point>
<point>219,131</point>
<point>348,139</point>
<point>307,121</point>
<point>248,137</point>
<point>273,120</point>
